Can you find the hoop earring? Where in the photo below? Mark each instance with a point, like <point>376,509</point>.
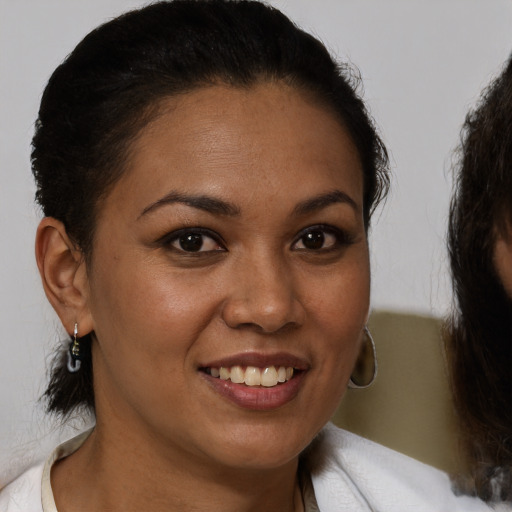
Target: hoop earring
<point>74,356</point>
<point>359,378</point>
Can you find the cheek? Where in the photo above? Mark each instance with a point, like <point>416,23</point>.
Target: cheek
<point>341,300</point>
<point>340,307</point>
<point>148,310</point>
<point>147,321</point>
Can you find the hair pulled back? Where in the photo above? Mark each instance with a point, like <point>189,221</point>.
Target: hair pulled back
<point>114,81</point>
<point>479,332</point>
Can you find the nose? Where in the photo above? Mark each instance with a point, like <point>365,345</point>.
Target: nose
<point>263,297</point>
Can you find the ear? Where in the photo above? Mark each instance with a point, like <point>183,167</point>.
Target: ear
<point>64,275</point>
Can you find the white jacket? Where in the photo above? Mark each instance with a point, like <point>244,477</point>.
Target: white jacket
<point>348,473</point>
<point>354,474</point>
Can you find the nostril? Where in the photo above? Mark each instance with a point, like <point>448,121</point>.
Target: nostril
<point>264,327</point>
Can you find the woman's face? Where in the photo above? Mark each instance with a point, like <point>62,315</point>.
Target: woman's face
<point>234,244</point>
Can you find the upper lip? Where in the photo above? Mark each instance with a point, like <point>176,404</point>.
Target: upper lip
<point>259,360</point>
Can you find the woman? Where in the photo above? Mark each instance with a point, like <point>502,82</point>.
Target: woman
<point>207,175</point>
<point>480,333</point>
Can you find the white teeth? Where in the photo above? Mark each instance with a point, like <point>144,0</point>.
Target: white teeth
<point>254,376</point>
<point>269,377</point>
<point>237,375</point>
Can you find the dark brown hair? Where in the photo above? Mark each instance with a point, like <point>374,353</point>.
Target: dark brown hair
<point>111,85</point>
<point>479,333</point>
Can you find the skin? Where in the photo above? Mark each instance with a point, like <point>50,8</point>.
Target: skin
<point>503,257</point>
<point>166,439</point>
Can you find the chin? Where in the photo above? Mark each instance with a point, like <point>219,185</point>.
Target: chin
<point>264,447</point>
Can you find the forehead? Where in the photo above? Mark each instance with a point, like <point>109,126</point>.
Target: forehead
<point>230,140</point>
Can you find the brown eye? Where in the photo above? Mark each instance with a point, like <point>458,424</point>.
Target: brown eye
<point>316,239</point>
<point>191,242</point>
<point>313,240</point>
<point>195,241</point>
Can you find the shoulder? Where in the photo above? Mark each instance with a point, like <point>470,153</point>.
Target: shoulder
<point>358,474</point>
<point>31,491</point>
<point>24,493</point>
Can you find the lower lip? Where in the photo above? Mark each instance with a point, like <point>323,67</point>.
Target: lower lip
<point>257,398</point>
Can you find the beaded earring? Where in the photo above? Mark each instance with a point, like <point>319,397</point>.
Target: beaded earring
<point>74,356</point>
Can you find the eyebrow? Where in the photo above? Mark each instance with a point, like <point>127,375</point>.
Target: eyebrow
<point>219,207</point>
<point>201,202</point>
<point>323,200</point>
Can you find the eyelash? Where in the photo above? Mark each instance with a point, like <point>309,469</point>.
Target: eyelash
<point>342,239</point>
<point>169,239</point>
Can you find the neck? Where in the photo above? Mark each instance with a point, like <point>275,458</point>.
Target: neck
<point>130,475</point>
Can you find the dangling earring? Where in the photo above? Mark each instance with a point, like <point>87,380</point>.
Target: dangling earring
<point>74,356</point>
<point>365,369</point>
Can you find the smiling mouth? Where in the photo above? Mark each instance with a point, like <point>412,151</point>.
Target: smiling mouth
<point>252,376</point>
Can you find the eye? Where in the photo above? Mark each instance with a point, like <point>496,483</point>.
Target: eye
<point>193,241</point>
<point>320,238</point>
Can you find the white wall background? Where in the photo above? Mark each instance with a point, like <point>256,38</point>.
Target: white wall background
<point>423,64</point>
